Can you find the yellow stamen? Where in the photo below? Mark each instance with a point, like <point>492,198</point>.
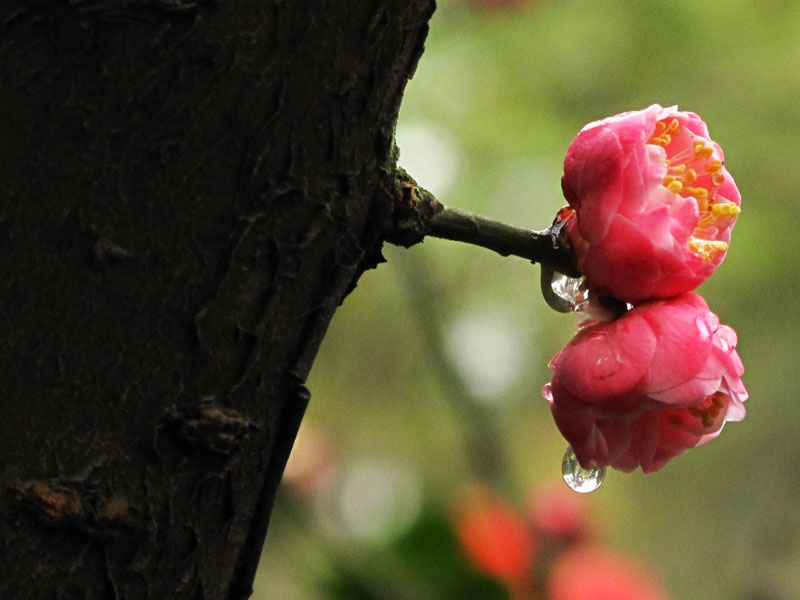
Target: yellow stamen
<point>718,212</point>
<point>703,415</point>
<point>708,250</point>
<point>702,151</point>
<point>709,409</point>
<point>679,178</point>
<point>705,221</point>
<point>698,193</point>
<point>660,140</point>
<point>683,167</point>
<point>675,187</point>
<point>674,127</point>
<point>725,209</point>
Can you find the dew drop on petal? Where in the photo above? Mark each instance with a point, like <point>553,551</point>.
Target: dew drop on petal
<point>579,479</point>
<point>572,289</point>
<point>547,392</point>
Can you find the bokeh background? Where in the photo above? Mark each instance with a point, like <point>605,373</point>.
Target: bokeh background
<point>430,377</point>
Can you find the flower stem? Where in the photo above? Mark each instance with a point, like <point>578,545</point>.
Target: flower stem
<point>418,214</point>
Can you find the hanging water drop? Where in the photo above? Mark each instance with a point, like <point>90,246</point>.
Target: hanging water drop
<point>572,289</point>
<point>580,479</point>
<point>562,292</point>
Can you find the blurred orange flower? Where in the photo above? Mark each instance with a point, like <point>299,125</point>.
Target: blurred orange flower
<point>496,539</point>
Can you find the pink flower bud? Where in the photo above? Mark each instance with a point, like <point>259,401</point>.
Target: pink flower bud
<point>654,204</point>
<point>642,389</point>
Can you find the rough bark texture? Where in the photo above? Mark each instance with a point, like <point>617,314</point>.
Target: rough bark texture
<point>188,189</point>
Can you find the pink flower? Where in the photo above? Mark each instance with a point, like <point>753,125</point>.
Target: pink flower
<point>640,390</point>
<point>594,573</point>
<point>559,515</point>
<point>654,204</point>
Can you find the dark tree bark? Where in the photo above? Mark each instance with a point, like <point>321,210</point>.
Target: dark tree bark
<point>188,190</point>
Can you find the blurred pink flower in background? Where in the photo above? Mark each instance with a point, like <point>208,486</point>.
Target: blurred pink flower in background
<point>596,573</point>
<point>559,514</point>
<point>548,551</point>
<point>654,204</point>
<point>640,390</point>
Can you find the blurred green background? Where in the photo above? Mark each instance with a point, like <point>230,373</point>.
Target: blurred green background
<point>430,376</point>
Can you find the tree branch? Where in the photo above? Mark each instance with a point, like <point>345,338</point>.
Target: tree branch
<point>419,214</point>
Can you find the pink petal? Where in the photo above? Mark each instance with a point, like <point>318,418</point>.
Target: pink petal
<point>624,264</point>
<point>592,180</point>
<point>606,361</point>
<point>687,392</point>
<point>695,124</point>
<point>682,349</point>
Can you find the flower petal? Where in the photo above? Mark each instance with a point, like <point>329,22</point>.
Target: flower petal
<point>607,361</point>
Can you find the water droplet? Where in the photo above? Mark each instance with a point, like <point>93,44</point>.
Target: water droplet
<point>547,392</point>
<point>572,289</point>
<point>580,479</point>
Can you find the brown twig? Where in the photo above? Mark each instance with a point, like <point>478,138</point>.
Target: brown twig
<point>419,214</point>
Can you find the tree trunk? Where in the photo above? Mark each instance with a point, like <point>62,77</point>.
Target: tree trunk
<point>188,190</point>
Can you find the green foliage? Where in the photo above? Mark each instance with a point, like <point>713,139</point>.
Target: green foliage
<point>431,551</point>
